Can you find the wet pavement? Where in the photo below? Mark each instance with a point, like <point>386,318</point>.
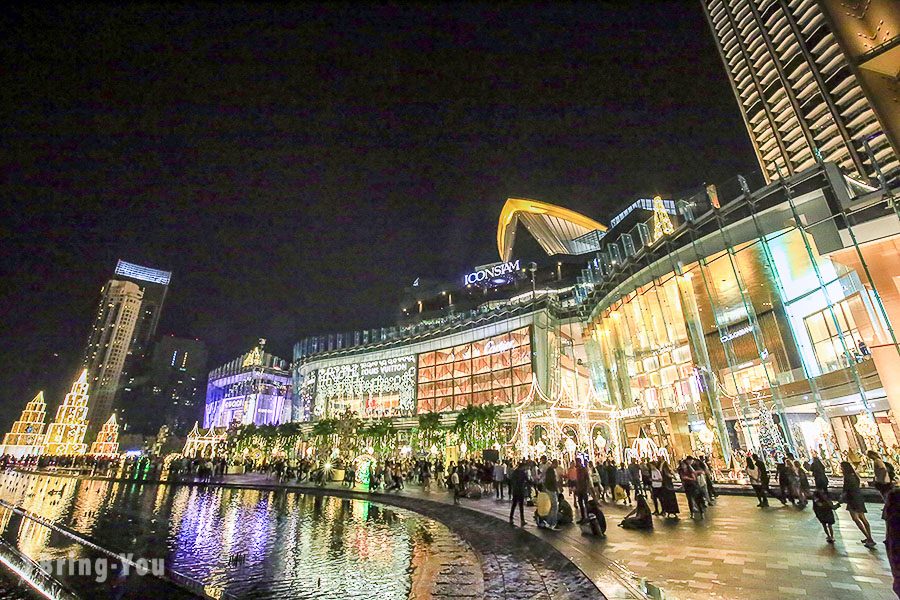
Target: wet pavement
<point>738,552</point>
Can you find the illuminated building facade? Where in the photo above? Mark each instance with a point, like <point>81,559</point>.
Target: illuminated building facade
<point>815,81</point>
<point>758,320</point>
<point>509,335</point>
<point>253,388</point>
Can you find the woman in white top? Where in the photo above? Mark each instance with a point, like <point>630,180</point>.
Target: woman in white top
<point>755,481</point>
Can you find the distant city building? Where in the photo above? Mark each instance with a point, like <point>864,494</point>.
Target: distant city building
<point>171,389</point>
<point>109,345</point>
<point>122,335</point>
<point>815,81</point>
<point>26,438</point>
<point>253,388</point>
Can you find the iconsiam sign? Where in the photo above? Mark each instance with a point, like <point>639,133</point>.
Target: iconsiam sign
<point>490,272</point>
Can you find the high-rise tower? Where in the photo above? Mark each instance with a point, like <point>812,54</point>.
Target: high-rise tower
<point>815,81</point>
<point>154,283</point>
<point>110,344</point>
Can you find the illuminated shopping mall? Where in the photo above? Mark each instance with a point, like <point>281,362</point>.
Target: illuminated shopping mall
<point>731,318</point>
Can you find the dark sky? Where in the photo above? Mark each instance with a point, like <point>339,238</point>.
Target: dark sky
<point>296,166</point>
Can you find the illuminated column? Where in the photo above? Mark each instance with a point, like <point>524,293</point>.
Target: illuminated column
<point>65,436</point>
<point>27,434</point>
<point>107,442</point>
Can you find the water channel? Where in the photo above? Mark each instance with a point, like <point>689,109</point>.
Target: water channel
<point>228,543</point>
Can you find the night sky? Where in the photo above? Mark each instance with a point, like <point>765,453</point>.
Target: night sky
<point>296,167</point>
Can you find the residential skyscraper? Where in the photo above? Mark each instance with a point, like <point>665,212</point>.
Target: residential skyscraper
<point>130,306</point>
<point>154,284</point>
<point>109,345</point>
<point>815,81</point>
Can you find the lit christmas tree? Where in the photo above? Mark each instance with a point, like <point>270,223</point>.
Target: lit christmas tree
<point>107,443</point>
<point>27,434</point>
<point>65,436</point>
<point>662,224</point>
<point>769,435</point>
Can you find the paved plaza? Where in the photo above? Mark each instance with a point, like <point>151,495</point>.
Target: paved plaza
<point>738,552</point>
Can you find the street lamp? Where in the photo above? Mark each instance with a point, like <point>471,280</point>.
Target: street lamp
<point>532,268</point>
<point>449,297</point>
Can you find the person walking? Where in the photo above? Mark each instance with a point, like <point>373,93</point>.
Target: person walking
<point>883,480</point>
<point>820,477</point>
<point>623,480</point>
<point>634,471</point>
<point>668,499</point>
<point>456,485</point>
<point>689,484</point>
<point>583,486</point>
<point>823,508</point>
<point>856,506</point>
<point>656,484</point>
<point>518,485</point>
<point>892,535</point>
<point>756,483</point>
<point>499,477</point>
<point>804,483</point>
<point>763,477</point>
<point>604,480</point>
<point>784,482</point>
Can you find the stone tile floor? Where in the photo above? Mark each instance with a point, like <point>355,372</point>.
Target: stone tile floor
<point>738,552</point>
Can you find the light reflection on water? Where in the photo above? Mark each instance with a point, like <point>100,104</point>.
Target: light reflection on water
<point>296,545</point>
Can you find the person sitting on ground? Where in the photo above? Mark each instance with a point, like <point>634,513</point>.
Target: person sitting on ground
<point>595,524</point>
<point>640,517</point>
<point>566,515</point>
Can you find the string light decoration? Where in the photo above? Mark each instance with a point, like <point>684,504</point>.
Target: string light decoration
<point>662,224</point>
<point>65,436</point>
<point>27,434</point>
<point>537,410</point>
<point>769,435</point>
<point>107,442</point>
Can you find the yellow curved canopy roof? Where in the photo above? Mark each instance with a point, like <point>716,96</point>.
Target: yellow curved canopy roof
<point>558,230</point>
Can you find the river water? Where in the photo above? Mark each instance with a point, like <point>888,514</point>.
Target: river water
<point>238,543</point>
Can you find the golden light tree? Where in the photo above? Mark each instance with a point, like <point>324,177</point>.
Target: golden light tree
<point>65,436</point>
<point>27,434</point>
<point>662,224</point>
<point>107,442</point>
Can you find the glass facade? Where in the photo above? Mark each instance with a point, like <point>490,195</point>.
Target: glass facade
<point>767,322</point>
<point>495,370</point>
